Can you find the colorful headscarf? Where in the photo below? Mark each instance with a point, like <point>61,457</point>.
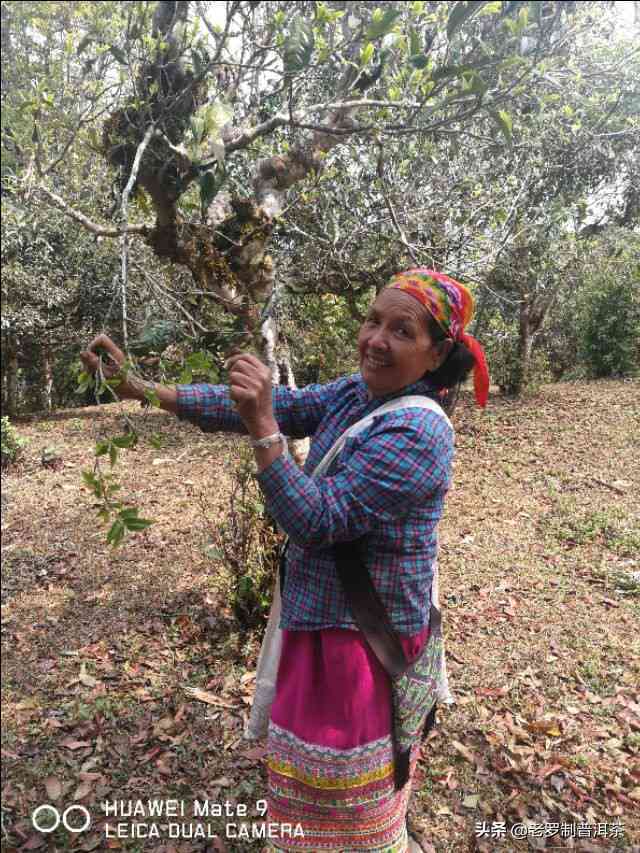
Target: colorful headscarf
<point>451,306</point>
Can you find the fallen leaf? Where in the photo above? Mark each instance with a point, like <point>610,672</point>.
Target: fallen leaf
<point>471,802</point>
<point>150,755</point>
<point>166,724</point>
<point>222,782</point>
<point>85,678</point>
<point>445,810</point>
<point>255,754</point>
<point>53,787</point>
<point>142,695</point>
<point>208,698</point>
<point>83,789</point>
<point>547,727</point>
<point>635,794</point>
<point>70,743</point>
<point>34,842</point>
<point>463,750</point>
<point>91,843</point>
<point>27,705</point>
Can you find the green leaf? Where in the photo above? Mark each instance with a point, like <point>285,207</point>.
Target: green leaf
<point>210,183</point>
<point>116,533</point>
<point>152,397</point>
<point>128,440</point>
<point>156,440</point>
<point>84,44</point>
<point>118,54</point>
<point>366,54</point>
<point>504,122</point>
<point>135,524</point>
<point>298,47</point>
<point>381,25</point>
<point>196,59</point>
<point>460,13</point>
<point>102,447</point>
<point>90,479</point>
<point>113,453</point>
<point>414,43</point>
<point>473,83</point>
<point>419,60</point>
<point>450,71</point>
<point>128,512</point>
<point>85,381</point>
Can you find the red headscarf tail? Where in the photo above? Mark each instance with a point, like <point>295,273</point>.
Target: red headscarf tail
<point>451,305</point>
<point>480,370</point>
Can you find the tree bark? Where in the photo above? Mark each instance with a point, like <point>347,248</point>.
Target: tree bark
<point>47,379</point>
<point>10,379</point>
<point>525,348</point>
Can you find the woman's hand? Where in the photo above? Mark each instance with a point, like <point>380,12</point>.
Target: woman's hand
<point>91,361</point>
<point>251,389</point>
<point>130,387</point>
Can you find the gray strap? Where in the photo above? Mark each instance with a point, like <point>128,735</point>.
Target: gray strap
<point>411,401</point>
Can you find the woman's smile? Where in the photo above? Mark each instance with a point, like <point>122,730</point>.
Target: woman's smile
<point>376,362</point>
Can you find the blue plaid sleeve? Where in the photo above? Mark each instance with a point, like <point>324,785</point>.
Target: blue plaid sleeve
<point>209,407</point>
<point>297,411</point>
<point>396,464</point>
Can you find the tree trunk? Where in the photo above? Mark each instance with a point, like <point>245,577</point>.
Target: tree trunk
<point>298,448</point>
<point>519,375</point>
<point>533,312</point>
<point>47,380</point>
<point>10,379</point>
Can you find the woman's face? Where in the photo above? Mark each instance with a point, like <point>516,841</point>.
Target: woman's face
<point>394,344</point>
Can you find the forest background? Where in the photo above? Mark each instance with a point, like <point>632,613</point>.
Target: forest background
<point>192,177</point>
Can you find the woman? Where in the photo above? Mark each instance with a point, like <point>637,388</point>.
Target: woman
<point>330,750</point>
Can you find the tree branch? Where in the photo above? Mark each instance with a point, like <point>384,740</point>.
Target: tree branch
<point>93,227</point>
<point>392,213</point>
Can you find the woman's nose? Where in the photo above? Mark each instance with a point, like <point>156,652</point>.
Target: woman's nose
<point>379,339</point>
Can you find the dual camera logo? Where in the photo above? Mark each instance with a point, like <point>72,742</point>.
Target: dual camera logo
<point>48,818</point>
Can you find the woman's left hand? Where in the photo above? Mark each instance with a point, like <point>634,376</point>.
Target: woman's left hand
<point>251,389</point>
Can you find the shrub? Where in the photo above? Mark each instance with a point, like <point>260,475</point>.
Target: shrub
<point>610,327</point>
<point>12,443</point>
<point>501,345</point>
<point>248,544</point>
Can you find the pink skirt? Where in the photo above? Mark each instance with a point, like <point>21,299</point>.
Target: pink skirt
<point>329,753</point>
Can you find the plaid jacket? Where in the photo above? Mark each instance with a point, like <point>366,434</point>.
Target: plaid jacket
<point>388,484</point>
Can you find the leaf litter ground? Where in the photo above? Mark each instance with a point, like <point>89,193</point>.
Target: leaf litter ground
<point>539,576</point>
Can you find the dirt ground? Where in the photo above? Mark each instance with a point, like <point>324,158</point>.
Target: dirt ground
<point>539,561</point>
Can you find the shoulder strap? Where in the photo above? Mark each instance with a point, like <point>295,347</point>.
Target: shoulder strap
<point>367,608</point>
<point>364,602</point>
<point>410,401</point>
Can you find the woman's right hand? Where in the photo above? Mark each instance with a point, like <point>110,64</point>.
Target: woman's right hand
<point>131,387</point>
<point>91,361</point>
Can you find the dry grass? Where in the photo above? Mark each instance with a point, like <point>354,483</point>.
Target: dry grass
<point>538,549</point>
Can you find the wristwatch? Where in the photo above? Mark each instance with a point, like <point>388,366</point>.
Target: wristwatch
<point>268,440</point>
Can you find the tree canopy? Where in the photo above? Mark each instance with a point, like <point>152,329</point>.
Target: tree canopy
<point>274,148</point>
